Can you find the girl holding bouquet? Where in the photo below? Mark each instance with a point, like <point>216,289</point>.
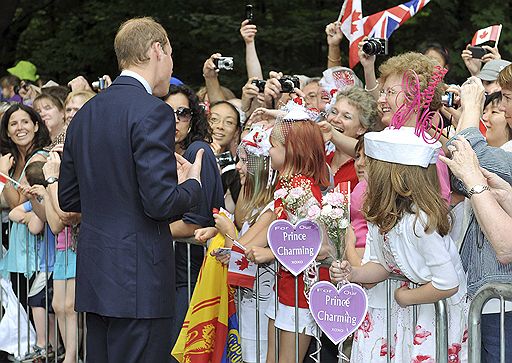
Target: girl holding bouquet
<point>408,225</point>
<point>298,154</point>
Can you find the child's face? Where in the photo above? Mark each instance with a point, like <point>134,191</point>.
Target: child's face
<point>360,164</point>
<point>241,165</point>
<point>277,154</point>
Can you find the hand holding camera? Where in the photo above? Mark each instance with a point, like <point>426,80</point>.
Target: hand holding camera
<point>375,46</point>
<point>210,67</point>
<point>102,83</point>
<point>366,60</point>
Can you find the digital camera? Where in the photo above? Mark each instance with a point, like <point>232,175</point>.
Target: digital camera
<point>289,83</point>
<point>99,84</point>
<point>225,63</point>
<point>225,159</point>
<point>448,98</point>
<point>260,83</point>
<point>376,46</point>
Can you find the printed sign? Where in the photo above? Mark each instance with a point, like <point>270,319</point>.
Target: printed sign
<point>295,246</point>
<point>338,312</point>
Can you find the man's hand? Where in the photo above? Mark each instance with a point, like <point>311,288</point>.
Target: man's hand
<point>189,171</point>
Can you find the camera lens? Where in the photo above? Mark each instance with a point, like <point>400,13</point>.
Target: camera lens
<point>372,47</point>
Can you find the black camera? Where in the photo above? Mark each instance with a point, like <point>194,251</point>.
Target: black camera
<point>376,46</point>
<point>225,159</point>
<point>260,83</point>
<point>289,83</point>
<point>448,98</point>
<point>225,63</point>
<point>248,13</point>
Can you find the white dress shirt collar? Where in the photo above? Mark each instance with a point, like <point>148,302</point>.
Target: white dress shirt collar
<point>139,78</point>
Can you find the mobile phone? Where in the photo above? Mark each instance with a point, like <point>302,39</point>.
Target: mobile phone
<point>249,14</point>
<point>221,251</point>
<point>478,52</point>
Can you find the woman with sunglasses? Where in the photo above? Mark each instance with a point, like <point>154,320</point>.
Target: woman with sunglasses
<point>192,133</point>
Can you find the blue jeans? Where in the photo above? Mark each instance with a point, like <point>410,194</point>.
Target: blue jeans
<point>490,329</point>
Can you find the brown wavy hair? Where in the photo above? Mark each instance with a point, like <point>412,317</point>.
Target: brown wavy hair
<point>395,189</point>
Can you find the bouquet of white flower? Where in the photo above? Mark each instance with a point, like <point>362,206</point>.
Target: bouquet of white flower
<point>335,216</point>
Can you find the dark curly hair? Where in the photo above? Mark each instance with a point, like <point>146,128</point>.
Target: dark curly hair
<point>200,129</point>
<point>41,138</point>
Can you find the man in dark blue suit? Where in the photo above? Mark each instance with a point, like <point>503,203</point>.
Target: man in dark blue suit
<point>120,171</point>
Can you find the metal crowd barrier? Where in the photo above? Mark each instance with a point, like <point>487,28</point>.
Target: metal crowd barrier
<point>441,321</point>
<point>487,292</point>
<point>52,356</point>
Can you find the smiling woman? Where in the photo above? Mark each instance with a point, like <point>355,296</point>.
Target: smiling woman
<point>224,120</point>
<point>354,113</point>
<point>22,137</point>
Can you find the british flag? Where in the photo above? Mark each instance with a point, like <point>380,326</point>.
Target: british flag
<point>378,25</point>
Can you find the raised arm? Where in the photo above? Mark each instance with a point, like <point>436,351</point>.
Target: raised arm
<point>211,79</point>
<point>334,38</point>
<point>248,32</point>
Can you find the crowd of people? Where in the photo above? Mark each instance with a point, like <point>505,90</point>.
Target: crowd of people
<point>429,165</point>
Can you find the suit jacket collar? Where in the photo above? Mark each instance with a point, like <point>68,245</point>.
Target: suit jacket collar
<point>128,81</point>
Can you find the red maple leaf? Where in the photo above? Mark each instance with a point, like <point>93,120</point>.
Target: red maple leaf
<point>355,17</point>
<point>484,34</point>
<point>243,263</point>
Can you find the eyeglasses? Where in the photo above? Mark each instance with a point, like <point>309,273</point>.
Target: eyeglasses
<point>227,122</point>
<point>183,114</point>
<point>390,91</point>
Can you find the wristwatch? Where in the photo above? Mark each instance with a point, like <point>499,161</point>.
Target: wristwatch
<point>52,180</point>
<point>477,189</point>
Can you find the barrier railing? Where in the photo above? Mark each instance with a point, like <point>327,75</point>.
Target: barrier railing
<point>487,292</point>
<point>31,263</point>
<point>441,321</point>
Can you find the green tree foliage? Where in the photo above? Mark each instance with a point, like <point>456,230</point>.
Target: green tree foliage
<point>65,38</point>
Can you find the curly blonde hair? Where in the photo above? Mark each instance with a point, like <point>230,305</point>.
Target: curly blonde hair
<point>417,62</point>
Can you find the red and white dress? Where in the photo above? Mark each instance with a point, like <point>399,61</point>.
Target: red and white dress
<point>422,258</point>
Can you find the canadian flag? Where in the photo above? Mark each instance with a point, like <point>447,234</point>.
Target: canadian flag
<point>351,16</point>
<point>491,33</point>
<point>241,271</point>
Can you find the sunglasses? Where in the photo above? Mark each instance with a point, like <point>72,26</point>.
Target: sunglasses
<point>183,114</point>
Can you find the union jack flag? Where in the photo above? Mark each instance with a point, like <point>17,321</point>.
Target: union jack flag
<point>378,25</point>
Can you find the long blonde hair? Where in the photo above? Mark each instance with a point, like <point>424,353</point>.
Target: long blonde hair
<point>395,189</point>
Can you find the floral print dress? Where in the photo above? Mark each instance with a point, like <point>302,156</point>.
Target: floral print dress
<point>415,344</point>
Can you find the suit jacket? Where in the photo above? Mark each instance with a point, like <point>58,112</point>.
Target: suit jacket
<point>118,169</point>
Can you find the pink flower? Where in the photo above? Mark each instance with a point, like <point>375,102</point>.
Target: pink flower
<point>367,325</point>
<point>336,213</point>
<point>296,193</point>
<point>280,193</point>
<point>314,212</point>
<point>334,198</point>
<point>423,359</point>
<point>453,353</point>
<point>421,335</point>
